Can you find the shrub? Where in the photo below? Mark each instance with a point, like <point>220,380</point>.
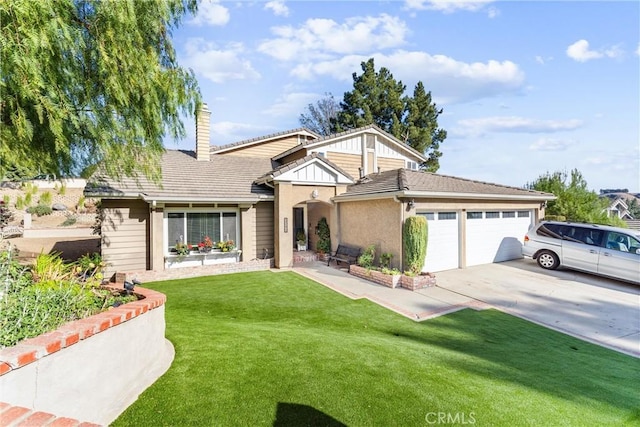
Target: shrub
<point>40,210</point>
<point>39,299</point>
<point>81,202</point>
<point>366,258</point>
<point>62,190</point>
<point>6,199</point>
<point>324,236</point>
<point>69,221</point>
<point>19,203</point>
<point>414,240</point>
<point>28,199</point>
<point>555,218</point>
<point>385,259</point>
<point>45,198</point>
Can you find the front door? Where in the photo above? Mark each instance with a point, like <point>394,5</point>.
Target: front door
<point>298,226</point>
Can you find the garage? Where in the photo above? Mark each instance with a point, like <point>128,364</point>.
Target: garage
<point>443,246</point>
<point>495,236</point>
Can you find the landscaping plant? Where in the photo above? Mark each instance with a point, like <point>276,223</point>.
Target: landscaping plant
<point>324,237</point>
<point>414,240</point>
<point>39,298</point>
<point>367,257</point>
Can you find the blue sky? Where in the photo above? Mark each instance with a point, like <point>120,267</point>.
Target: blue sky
<point>526,87</point>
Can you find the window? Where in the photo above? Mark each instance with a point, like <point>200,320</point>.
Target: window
<point>192,227</point>
<point>474,215</point>
<point>509,214</point>
<point>429,215</point>
<point>622,242</point>
<point>492,215</point>
<point>446,215</point>
<point>523,214</point>
<point>412,165</point>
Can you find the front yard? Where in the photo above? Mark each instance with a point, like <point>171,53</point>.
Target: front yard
<point>278,349</point>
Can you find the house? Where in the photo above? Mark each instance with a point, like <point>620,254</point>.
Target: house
<point>619,203</point>
<point>261,192</point>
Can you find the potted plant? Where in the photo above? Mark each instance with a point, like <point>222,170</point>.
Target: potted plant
<point>226,245</point>
<point>324,237</point>
<point>301,238</point>
<point>206,245</point>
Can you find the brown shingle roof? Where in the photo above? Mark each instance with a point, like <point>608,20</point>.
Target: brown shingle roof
<point>185,178</point>
<point>416,183</point>
<point>215,149</point>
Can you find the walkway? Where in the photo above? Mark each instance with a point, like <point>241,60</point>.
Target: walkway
<point>419,305</point>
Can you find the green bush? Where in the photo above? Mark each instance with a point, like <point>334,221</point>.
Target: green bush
<point>45,198</point>
<point>69,221</point>
<point>40,210</point>
<point>28,199</point>
<point>6,199</point>
<point>555,218</point>
<point>385,259</point>
<point>324,236</point>
<point>414,240</point>
<point>366,258</point>
<point>19,203</point>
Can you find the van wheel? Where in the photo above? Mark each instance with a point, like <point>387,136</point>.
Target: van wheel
<point>548,260</point>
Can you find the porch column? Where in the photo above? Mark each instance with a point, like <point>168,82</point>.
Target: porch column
<point>156,249</point>
<point>247,227</point>
<point>283,225</point>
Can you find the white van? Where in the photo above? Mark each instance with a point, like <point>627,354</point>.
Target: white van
<point>598,249</point>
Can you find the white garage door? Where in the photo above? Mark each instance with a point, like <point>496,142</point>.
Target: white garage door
<point>442,245</point>
<point>494,236</point>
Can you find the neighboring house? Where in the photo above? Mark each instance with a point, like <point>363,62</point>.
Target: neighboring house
<point>619,202</point>
<point>260,192</point>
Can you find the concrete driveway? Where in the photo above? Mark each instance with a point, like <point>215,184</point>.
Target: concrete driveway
<point>603,311</point>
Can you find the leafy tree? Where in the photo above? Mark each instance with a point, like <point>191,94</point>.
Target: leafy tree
<point>574,200</point>
<point>87,81</point>
<point>377,98</point>
<point>634,208</point>
<point>319,116</point>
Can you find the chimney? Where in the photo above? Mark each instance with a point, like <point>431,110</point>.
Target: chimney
<point>203,147</point>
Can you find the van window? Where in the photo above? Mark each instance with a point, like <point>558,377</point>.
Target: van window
<point>622,242</point>
<point>555,231</point>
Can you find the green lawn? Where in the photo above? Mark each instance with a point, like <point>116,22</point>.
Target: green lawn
<point>261,349</point>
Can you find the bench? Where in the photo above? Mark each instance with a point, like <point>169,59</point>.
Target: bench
<point>345,253</point>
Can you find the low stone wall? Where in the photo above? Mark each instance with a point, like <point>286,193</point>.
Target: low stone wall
<point>394,281</point>
<point>90,369</point>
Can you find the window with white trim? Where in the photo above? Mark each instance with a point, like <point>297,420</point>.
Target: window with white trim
<point>447,215</point>
<point>509,214</point>
<point>191,227</point>
<point>523,214</point>
<point>489,215</point>
<point>474,215</point>
<point>412,165</point>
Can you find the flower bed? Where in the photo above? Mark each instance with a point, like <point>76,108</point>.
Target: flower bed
<point>412,283</point>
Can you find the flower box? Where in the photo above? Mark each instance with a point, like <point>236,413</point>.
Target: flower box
<point>424,280</point>
<point>388,280</point>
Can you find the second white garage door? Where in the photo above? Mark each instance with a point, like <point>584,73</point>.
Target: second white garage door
<point>495,236</point>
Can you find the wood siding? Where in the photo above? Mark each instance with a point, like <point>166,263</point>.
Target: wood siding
<point>125,235</point>
<point>266,149</point>
<point>350,163</point>
<point>264,229</point>
<point>390,164</point>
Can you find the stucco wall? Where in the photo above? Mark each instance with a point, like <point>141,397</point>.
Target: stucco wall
<point>90,369</point>
<point>377,222</point>
<point>125,235</point>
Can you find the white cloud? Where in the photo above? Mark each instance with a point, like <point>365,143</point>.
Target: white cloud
<point>542,60</point>
<point>551,144</point>
<point>291,104</point>
<point>493,12</point>
<point>317,38</point>
<point>481,126</point>
<point>581,52</point>
<point>211,12</point>
<point>218,64</point>
<point>277,7</point>
<point>449,80</point>
<point>447,6</point>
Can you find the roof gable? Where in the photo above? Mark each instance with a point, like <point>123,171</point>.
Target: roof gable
<point>389,145</point>
<point>311,169</point>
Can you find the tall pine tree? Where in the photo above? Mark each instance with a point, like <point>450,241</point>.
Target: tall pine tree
<point>377,98</point>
